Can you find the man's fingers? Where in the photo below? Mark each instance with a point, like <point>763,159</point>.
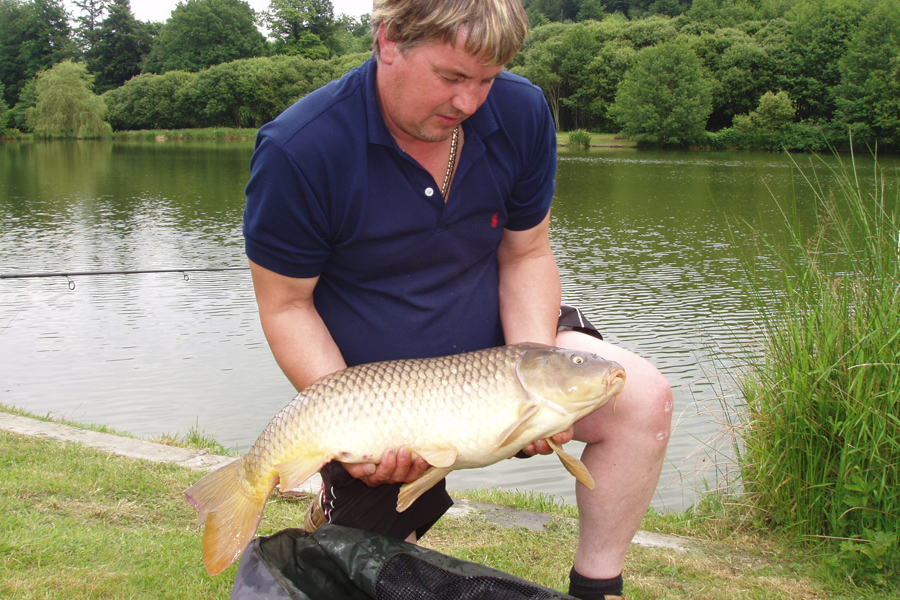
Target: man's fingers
<point>564,437</point>
<point>359,470</point>
<point>542,447</point>
<point>417,469</point>
<point>401,469</point>
<point>396,466</point>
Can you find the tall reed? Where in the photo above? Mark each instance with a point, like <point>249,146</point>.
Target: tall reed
<point>820,454</point>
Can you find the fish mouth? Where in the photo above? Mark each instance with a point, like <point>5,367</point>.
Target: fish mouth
<point>616,380</point>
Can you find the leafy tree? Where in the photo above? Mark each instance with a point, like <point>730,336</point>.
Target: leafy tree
<point>540,67</point>
<point>11,17</point>
<point>651,31</point>
<point>33,36</point>
<point>723,13</point>
<point>202,33</point>
<point>590,10</point>
<point>87,33</point>
<point>664,98</point>
<point>27,100</point>
<point>120,47</point>
<point>766,126</point>
<point>248,93</point>
<point>555,10</point>
<point>740,72</point>
<point>576,51</point>
<point>869,93</point>
<point>819,33</point>
<point>351,35</point>
<point>775,111</point>
<point>66,107</point>
<point>669,8</point>
<point>4,112</point>
<point>603,75</point>
<point>301,27</point>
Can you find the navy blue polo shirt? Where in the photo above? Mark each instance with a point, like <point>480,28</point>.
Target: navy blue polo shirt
<point>401,273</point>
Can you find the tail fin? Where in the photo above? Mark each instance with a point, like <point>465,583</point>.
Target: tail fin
<point>231,510</point>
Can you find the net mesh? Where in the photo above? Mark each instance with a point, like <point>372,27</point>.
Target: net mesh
<point>405,577</point>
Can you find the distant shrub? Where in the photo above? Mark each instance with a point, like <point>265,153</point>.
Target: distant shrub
<point>580,139</point>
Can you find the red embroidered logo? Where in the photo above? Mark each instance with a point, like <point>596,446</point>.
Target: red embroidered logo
<point>494,221</point>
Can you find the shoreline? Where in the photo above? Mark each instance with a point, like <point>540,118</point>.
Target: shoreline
<point>204,461</point>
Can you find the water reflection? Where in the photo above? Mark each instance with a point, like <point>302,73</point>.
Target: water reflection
<point>644,243</point>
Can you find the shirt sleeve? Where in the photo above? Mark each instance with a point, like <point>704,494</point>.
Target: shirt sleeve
<point>285,227</point>
<point>532,194</point>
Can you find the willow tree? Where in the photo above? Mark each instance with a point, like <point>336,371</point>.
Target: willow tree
<point>66,106</point>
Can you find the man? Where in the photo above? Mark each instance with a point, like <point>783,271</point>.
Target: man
<point>403,211</point>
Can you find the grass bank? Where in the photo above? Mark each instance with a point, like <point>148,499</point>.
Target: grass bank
<point>224,134</point>
<point>227,134</point>
<point>580,139</point>
<point>79,523</point>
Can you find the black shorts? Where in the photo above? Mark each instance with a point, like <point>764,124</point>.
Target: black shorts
<point>350,502</point>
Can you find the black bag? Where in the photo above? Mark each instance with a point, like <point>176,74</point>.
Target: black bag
<point>341,563</point>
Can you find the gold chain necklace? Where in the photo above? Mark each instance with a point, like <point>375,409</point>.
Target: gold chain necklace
<point>453,144</point>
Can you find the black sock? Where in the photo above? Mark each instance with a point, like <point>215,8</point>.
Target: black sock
<point>593,589</point>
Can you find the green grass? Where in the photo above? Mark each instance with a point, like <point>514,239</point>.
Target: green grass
<point>193,439</point>
<point>79,523</point>
<point>196,439</point>
<point>227,134</point>
<point>820,449</point>
<point>584,139</point>
<point>49,418</point>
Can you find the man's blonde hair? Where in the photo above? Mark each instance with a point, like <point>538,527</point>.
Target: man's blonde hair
<point>495,29</point>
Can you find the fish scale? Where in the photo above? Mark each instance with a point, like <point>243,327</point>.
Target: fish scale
<point>460,411</point>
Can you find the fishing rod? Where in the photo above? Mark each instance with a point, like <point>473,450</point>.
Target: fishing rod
<point>69,274</point>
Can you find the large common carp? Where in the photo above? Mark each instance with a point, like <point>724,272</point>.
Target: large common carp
<point>458,412</point>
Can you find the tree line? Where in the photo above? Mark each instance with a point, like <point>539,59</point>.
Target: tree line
<point>724,73</point>
<point>112,46</point>
<point>757,73</point>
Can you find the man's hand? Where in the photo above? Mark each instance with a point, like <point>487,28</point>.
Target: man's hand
<point>542,447</point>
<point>396,466</point>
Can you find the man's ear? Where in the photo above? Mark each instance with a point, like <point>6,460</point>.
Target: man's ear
<point>387,49</point>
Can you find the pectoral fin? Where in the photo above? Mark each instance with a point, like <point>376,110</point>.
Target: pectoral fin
<point>438,458</point>
<point>573,465</point>
<point>295,471</point>
<point>509,434</point>
<point>410,492</point>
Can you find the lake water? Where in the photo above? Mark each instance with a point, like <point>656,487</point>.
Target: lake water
<point>644,242</point>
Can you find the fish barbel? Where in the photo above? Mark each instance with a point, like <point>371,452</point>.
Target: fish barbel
<point>457,412</point>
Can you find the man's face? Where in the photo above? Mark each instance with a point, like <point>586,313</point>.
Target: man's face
<point>431,89</point>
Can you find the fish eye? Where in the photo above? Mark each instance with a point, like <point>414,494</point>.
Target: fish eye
<point>578,360</point>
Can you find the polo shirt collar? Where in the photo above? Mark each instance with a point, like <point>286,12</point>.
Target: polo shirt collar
<point>481,124</point>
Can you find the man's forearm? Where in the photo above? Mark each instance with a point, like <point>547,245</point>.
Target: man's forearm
<point>299,340</point>
<point>529,300</point>
<point>302,346</point>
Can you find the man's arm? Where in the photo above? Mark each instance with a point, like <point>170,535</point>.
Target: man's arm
<point>529,285</point>
<point>530,296</point>
<point>305,351</point>
<point>302,345</point>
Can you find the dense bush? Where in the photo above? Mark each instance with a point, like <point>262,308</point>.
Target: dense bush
<point>151,102</point>
<point>242,93</point>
